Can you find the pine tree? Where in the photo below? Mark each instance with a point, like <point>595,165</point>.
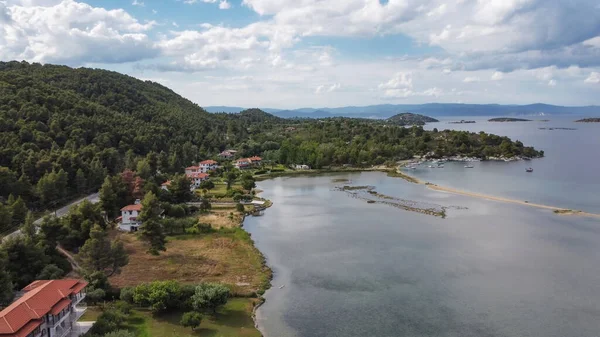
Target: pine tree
<point>19,211</point>
<point>29,229</point>
<point>80,181</point>
<point>108,198</point>
<point>6,285</point>
<point>95,253</point>
<point>151,229</point>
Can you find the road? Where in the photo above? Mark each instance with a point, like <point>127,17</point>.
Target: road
<point>94,198</point>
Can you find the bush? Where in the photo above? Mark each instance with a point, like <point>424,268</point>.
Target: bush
<point>240,208</point>
<point>95,295</point>
<point>191,319</point>
<point>277,170</point>
<point>161,296</point>
<point>210,296</point>
<point>127,294</point>
<point>260,172</point>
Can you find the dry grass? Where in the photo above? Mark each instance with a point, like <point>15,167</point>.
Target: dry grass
<point>230,258</point>
<point>222,218</point>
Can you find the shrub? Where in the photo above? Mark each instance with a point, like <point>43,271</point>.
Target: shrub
<point>210,296</point>
<point>127,294</point>
<point>191,319</point>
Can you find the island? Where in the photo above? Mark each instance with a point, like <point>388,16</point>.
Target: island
<point>411,119</point>
<point>509,119</point>
<point>462,122</point>
<point>588,120</point>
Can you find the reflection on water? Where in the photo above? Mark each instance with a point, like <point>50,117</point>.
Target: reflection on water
<point>357,269</point>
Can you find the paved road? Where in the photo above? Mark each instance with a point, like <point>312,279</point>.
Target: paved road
<point>94,198</point>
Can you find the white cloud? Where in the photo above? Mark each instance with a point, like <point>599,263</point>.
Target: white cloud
<point>72,32</point>
<point>471,79</point>
<point>327,88</point>
<point>552,83</point>
<point>138,3</point>
<point>594,78</point>
<point>497,76</point>
<point>223,4</point>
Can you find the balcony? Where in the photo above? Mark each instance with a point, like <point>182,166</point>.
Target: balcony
<point>78,311</point>
<point>78,298</point>
<point>60,331</point>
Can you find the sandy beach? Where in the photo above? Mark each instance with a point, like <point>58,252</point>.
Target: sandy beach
<point>557,210</point>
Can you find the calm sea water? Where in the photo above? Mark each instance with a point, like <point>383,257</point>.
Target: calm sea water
<point>349,268</point>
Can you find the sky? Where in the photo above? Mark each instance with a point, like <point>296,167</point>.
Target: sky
<point>324,53</point>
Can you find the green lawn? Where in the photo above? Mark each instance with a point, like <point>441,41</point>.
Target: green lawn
<point>234,319</point>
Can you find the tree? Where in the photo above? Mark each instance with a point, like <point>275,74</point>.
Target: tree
<point>120,333</point>
<point>25,260</point>
<point>99,255</point>
<point>6,285</point>
<point>205,205</point>
<point>240,208</point>
<point>180,189</point>
<point>248,182</point>
<point>159,296</point>
<point>210,296</point>
<point>80,181</point>
<point>230,177</point>
<point>5,217</point>
<point>50,272</point>
<point>108,198</point>
<point>151,229</point>
<point>191,319</point>
<point>207,185</point>
<point>94,296</point>
<point>29,228</point>
<point>19,211</point>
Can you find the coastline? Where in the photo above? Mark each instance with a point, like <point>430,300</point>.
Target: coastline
<point>557,210</point>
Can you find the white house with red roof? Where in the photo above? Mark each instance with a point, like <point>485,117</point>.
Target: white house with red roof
<point>196,179</point>
<point>192,169</point>
<point>207,165</point>
<point>245,163</point>
<point>48,308</point>
<point>165,185</point>
<point>129,219</point>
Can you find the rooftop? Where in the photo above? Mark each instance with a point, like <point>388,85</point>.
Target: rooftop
<point>41,297</point>
<point>135,207</point>
<point>208,162</point>
<point>197,175</point>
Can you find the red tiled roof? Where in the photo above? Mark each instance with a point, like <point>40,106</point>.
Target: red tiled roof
<point>40,298</point>
<point>255,158</point>
<point>192,168</point>
<point>243,160</point>
<point>166,183</point>
<point>58,307</point>
<point>198,175</point>
<point>208,162</point>
<point>136,207</point>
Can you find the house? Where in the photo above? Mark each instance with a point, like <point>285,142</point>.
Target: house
<point>227,154</point>
<point>192,169</point>
<point>302,167</point>
<point>48,308</point>
<point>208,165</point>
<point>196,179</point>
<point>243,163</point>
<point>128,221</point>
<point>165,185</point>
<point>255,161</point>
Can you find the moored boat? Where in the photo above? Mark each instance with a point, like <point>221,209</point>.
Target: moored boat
<point>529,170</point>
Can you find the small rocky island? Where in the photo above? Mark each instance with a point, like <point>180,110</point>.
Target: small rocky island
<point>410,119</point>
<point>588,120</point>
<point>462,122</point>
<point>509,119</point>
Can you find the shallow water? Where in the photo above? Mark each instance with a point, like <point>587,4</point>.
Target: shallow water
<point>493,269</point>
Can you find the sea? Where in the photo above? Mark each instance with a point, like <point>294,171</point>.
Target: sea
<point>345,267</point>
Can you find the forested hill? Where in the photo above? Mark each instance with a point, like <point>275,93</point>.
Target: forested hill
<point>411,119</point>
<point>63,130</point>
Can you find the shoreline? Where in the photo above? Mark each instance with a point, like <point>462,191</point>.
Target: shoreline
<point>435,187</point>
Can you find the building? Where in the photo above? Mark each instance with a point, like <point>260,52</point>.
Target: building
<point>165,185</point>
<point>256,161</point>
<point>128,221</point>
<point>245,163</point>
<point>48,308</point>
<point>196,179</point>
<point>227,154</point>
<point>208,165</point>
<point>302,167</point>
<point>191,170</point>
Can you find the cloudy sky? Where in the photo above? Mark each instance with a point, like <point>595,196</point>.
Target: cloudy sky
<point>300,53</point>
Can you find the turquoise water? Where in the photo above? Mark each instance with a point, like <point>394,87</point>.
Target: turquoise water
<point>349,268</point>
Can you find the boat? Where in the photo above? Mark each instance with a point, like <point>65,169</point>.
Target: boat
<point>469,166</point>
<point>431,166</point>
<point>440,166</point>
<point>282,286</point>
<point>529,170</point>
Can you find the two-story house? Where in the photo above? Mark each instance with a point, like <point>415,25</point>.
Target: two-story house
<point>196,179</point>
<point>192,169</point>
<point>208,165</point>
<point>128,221</point>
<point>245,163</point>
<point>48,308</point>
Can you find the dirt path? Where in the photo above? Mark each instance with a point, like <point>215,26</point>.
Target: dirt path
<point>69,257</point>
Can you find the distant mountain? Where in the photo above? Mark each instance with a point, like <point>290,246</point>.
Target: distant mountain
<point>430,109</point>
<point>411,119</point>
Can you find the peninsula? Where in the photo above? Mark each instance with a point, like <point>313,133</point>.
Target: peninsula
<point>588,120</point>
<point>411,119</point>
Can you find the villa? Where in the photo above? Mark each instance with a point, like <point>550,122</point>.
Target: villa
<point>48,308</point>
<point>128,221</point>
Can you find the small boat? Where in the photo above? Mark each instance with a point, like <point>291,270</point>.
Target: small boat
<point>529,170</point>
<point>440,166</point>
<point>469,166</point>
<point>282,286</point>
<point>431,166</point>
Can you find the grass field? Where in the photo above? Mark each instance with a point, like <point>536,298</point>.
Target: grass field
<point>234,319</point>
<point>228,257</point>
